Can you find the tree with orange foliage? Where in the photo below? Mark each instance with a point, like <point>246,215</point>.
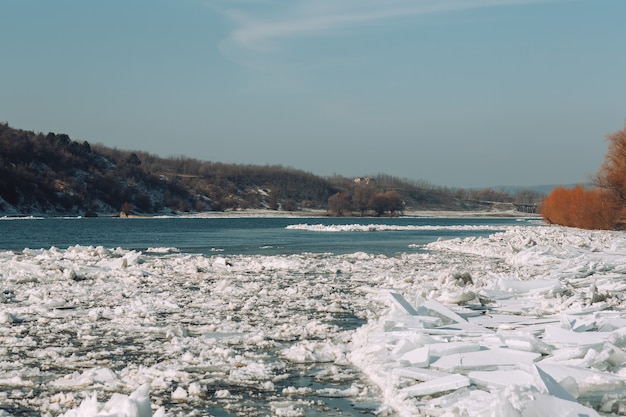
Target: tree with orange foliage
<point>612,175</point>
<point>602,207</point>
<point>593,208</point>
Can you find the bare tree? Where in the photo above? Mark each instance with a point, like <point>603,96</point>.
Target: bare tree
<point>339,204</point>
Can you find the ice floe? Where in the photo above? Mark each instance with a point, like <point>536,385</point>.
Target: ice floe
<point>388,227</point>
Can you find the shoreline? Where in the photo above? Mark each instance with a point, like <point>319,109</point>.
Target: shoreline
<point>260,213</point>
<point>324,214</point>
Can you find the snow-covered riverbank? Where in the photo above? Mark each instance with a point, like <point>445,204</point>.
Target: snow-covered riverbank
<point>531,321</point>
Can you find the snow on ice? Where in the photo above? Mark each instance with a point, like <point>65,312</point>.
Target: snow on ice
<point>526,322</point>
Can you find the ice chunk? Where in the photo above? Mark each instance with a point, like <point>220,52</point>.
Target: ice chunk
<point>89,377</point>
<point>220,262</point>
<point>543,405</point>
<point>588,385</point>
<point>618,337</point>
<point>616,356</point>
<point>537,286</point>
<point>88,407</point>
<point>493,295</point>
<point>404,305</point>
<point>419,374</point>
<point>551,386</point>
<point>412,341</point>
<point>559,337</point>
<point>435,386</point>
<point>525,341</point>
<point>501,379</point>
<point>509,321</point>
<point>137,404</point>
<point>612,324</point>
<point>444,349</point>
<point>457,297</point>
<point>412,322</point>
<point>458,322</point>
<point>440,309</point>
<point>309,352</point>
<point>179,394</point>
<point>403,346</point>
<point>417,357</point>
<point>488,359</point>
<point>584,324</point>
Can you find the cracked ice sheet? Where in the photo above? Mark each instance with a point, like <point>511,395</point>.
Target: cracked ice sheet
<point>545,296</point>
<point>205,331</point>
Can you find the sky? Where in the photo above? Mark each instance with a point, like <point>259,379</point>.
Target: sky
<point>458,93</point>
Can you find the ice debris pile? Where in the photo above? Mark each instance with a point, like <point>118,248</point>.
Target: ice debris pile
<point>541,332</point>
<point>137,404</point>
<point>244,335</point>
<point>527,322</point>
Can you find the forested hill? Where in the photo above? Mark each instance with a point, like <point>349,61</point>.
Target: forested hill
<point>52,174</point>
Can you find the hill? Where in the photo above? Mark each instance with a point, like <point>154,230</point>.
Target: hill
<point>51,174</point>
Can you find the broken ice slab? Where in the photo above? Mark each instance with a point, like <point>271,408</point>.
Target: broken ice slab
<point>605,321</point>
<point>611,324</point>
<point>419,374</point>
<point>550,385</point>
<point>401,323</point>
<point>89,377</point>
<point>536,286</point>
<point>601,357</point>
<point>444,349</point>
<point>487,359</point>
<point>417,357</point>
<point>560,337</point>
<point>524,341</point>
<point>542,405</point>
<point>524,306</point>
<point>456,322</point>
<point>589,309</point>
<point>403,304</point>
<point>136,404</point>
<point>500,379</point>
<point>510,322</point>
<point>566,354</point>
<point>429,315</point>
<point>618,337</point>
<point>440,309</point>
<point>457,297</point>
<point>515,387</point>
<point>587,385</point>
<point>616,356</point>
<point>578,324</point>
<point>431,308</point>
<point>436,386</point>
<point>412,341</point>
<point>489,295</point>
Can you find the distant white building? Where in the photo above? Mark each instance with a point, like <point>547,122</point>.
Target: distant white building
<point>364,180</point>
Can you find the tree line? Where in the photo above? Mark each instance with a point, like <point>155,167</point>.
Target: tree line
<point>51,173</point>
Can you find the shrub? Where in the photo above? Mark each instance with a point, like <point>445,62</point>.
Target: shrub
<point>603,207</point>
<point>593,208</point>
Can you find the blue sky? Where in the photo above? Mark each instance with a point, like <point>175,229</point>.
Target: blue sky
<point>461,93</point>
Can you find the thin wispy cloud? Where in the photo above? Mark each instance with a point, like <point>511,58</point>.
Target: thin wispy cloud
<point>261,26</point>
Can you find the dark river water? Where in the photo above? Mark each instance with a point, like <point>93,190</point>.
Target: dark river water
<point>245,236</point>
